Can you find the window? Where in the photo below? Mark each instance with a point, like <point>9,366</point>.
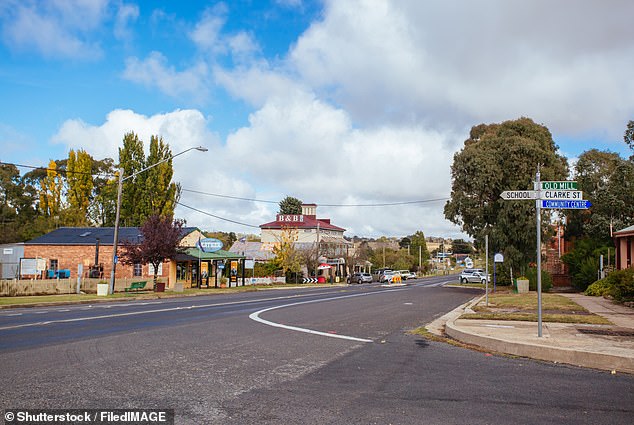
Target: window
<point>138,270</point>
<point>53,264</point>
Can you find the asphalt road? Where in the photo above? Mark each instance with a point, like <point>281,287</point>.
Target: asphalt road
<point>309,356</point>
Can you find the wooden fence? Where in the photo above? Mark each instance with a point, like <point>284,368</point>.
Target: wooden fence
<point>17,287</point>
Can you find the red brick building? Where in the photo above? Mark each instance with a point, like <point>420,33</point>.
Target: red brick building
<point>624,242</point>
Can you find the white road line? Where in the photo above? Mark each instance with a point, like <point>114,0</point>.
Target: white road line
<point>256,316</point>
<point>135,313</point>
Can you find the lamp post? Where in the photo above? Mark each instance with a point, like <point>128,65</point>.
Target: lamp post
<point>116,220</point>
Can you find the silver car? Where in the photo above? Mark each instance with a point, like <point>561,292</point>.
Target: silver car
<point>473,275</point>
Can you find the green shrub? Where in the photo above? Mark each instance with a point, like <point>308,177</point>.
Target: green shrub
<point>600,288</point>
<point>547,280</point>
<point>622,282</point>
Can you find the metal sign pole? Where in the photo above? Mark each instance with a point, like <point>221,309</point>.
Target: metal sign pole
<point>539,255</point>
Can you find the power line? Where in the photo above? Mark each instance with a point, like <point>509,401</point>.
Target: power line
<point>57,170</point>
<point>382,204</point>
<point>216,216</point>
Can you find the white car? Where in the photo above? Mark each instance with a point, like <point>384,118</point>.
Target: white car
<point>406,274</point>
<point>473,275</point>
<point>391,277</point>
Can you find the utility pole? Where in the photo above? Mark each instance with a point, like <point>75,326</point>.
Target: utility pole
<point>486,268</point>
<point>420,257</point>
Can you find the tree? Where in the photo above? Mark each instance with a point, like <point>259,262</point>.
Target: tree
<point>286,256</point>
<point>132,160</point>
<point>103,205</point>
<point>160,237</point>
<point>628,137</point>
<point>607,180</point>
<point>80,186</point>
<point>460,246</point>
<point>149,192</point>
<point>419,245</point>
<point>51,192</point>
<point>495,158</point>
<point>290,205</point>
<point>10,187</point>
<point>161,194</point>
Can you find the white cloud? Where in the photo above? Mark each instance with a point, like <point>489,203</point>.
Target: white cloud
<point>126,14</point>
<point>155,72</point>
<point>206,32</point>
<point>446,64</point>
<point>57,29</point>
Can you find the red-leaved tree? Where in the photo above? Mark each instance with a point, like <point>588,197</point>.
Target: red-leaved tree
<point>159,241</point>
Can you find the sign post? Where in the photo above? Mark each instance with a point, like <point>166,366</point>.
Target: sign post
<point>549,195</point>
<point>497,258</point>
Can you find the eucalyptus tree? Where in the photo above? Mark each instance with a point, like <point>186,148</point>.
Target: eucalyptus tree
<point>495,158</point>
<point>607,180</point>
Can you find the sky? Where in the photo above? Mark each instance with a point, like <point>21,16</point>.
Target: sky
<point>356,102</point>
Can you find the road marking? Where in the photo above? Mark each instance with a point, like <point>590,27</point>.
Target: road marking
<point>256,316</point>
<point>160,310</point>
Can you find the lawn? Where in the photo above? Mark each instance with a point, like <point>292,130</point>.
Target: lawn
<point>523,307</point>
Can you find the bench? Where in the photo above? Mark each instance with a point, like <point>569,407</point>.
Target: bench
<point>136,286</point>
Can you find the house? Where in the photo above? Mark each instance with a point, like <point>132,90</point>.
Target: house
<point>311,233</point>
<point>624,240</point>
<point>87,252</point>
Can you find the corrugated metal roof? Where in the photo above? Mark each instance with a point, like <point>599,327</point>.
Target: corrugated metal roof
<point>626,230</point>
<point>89,235</point>
<point>308,222</point>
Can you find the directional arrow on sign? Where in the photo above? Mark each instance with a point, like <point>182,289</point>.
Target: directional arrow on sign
<point>513,195</point>
<point>567,205</point>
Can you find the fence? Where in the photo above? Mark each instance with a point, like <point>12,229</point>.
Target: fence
<point>17,287</point>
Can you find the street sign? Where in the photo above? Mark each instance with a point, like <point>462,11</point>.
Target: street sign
<point>572,195</point>
<point>567,205</point>
<point>512,195</point>
<point>558,185</point>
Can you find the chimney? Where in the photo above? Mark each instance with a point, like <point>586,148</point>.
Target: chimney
<point>309,210</point>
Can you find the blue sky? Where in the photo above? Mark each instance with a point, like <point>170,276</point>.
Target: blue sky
<point>308,98</point>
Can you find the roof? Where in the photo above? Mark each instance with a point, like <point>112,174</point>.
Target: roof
<point>308,222</point>
<point>255,250</point>
<point>89,235</point>
<point>625,231</point>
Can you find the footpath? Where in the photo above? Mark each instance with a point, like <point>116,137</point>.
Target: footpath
<point>605,347</point>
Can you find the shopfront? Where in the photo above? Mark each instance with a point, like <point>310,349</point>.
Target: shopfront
<point>198,269</point>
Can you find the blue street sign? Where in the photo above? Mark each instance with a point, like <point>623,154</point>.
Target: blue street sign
<point>567,205</point>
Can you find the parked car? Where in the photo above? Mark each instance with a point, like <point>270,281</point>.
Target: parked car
<point>406,274</point>
<point>379,274</point>
<point>473,275</point>
<point>360,278</point>
<point>391,277</point>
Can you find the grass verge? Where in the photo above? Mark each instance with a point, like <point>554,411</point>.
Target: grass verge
<point>523,307</point>
<point>83,298</point>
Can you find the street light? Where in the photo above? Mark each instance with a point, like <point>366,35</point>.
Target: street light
<point>116,220</point>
